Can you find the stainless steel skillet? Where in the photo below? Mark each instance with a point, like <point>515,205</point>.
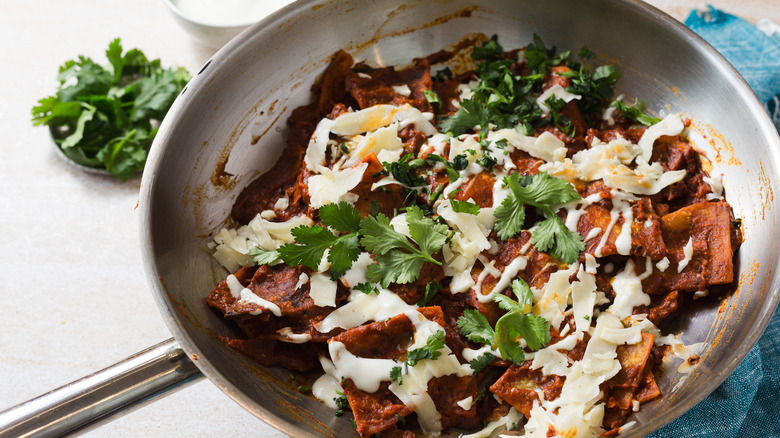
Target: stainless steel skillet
<point>227,127</point>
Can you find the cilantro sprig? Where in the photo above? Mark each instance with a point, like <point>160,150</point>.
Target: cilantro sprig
<point>430,351</point>
<point>107,117</point>
<point>312,242</point>
<point>517,323</point>
<point>400,259</point>
<point>541,191</point>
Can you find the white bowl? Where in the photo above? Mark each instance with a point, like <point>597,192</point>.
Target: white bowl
<point>215,22</point>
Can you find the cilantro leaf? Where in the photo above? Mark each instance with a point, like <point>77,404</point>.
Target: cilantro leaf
<point>487,161</point>
<point>525,298</point>
<point>585,53</point>
<point>311,246</point>
<point>475,327</point>
<point>471,113</point>
<point>488,49</point>
<point>428,234</point>
<point>553,235</point>
<point>262,256</point>
<point>443,75</point>
<point>464,207</point>
<point>344,251</point>
<point>634,112</point>
<point>312,242</point>
<point>534,329</point>
<point>430,291</point>
<point>366,288</point>
<point>560,121</point>
<point>433,344</point>
<point>510,216</point>
<point>507,334</point>
<point>506,303</point>
<point>541,191</point>
<point>544,189</point>
<point>398,260</point>
<point>155,94</point>
<point>431,351</point>
<point>395,267</point>
<point>481,362</point>
<point>403,171</point>
<point>50,110</point>
<point>396,373</point>
<point>460,162</point>
<point>507,100</point>
<point>125,155</point>
<point>452,174</point>
<point>379,237</point>
<point>517,323</point>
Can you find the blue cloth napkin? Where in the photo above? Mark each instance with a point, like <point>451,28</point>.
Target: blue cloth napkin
<point>747,404</point>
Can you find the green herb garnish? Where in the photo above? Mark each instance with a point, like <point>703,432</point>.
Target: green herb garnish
<point>475,327</point>
<point>342,404</point>
<point>464,207</point>
<point>403,171</point>
<point>452,174</point>
<point>518,322</point>
<point>366,288</point>
<point>431,97</point>
<point>541,191</point>
<point>398,259</point>
<point>263,256</point>
<point>311,242</point>
<point>442,75</point>
<point>430,291</point>
<point>107,117</point>
<point>635,112</point>
<point>507,100</point>
<point>433,344</point>
<point>396,373</point>
<point>481,362</point>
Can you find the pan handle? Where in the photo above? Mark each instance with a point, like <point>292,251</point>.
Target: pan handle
<point>90,400</point>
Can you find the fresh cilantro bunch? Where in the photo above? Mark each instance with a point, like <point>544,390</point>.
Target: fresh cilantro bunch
<point>433,344</point>
<point>517,323</point>
<point>508,100</point>
<point>541,191</point>
<point>107,117</point>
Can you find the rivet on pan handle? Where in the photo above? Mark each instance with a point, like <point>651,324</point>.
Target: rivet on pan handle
<point>87,402</point>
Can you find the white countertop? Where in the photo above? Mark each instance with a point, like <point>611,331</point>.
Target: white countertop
<point>74,297</point>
